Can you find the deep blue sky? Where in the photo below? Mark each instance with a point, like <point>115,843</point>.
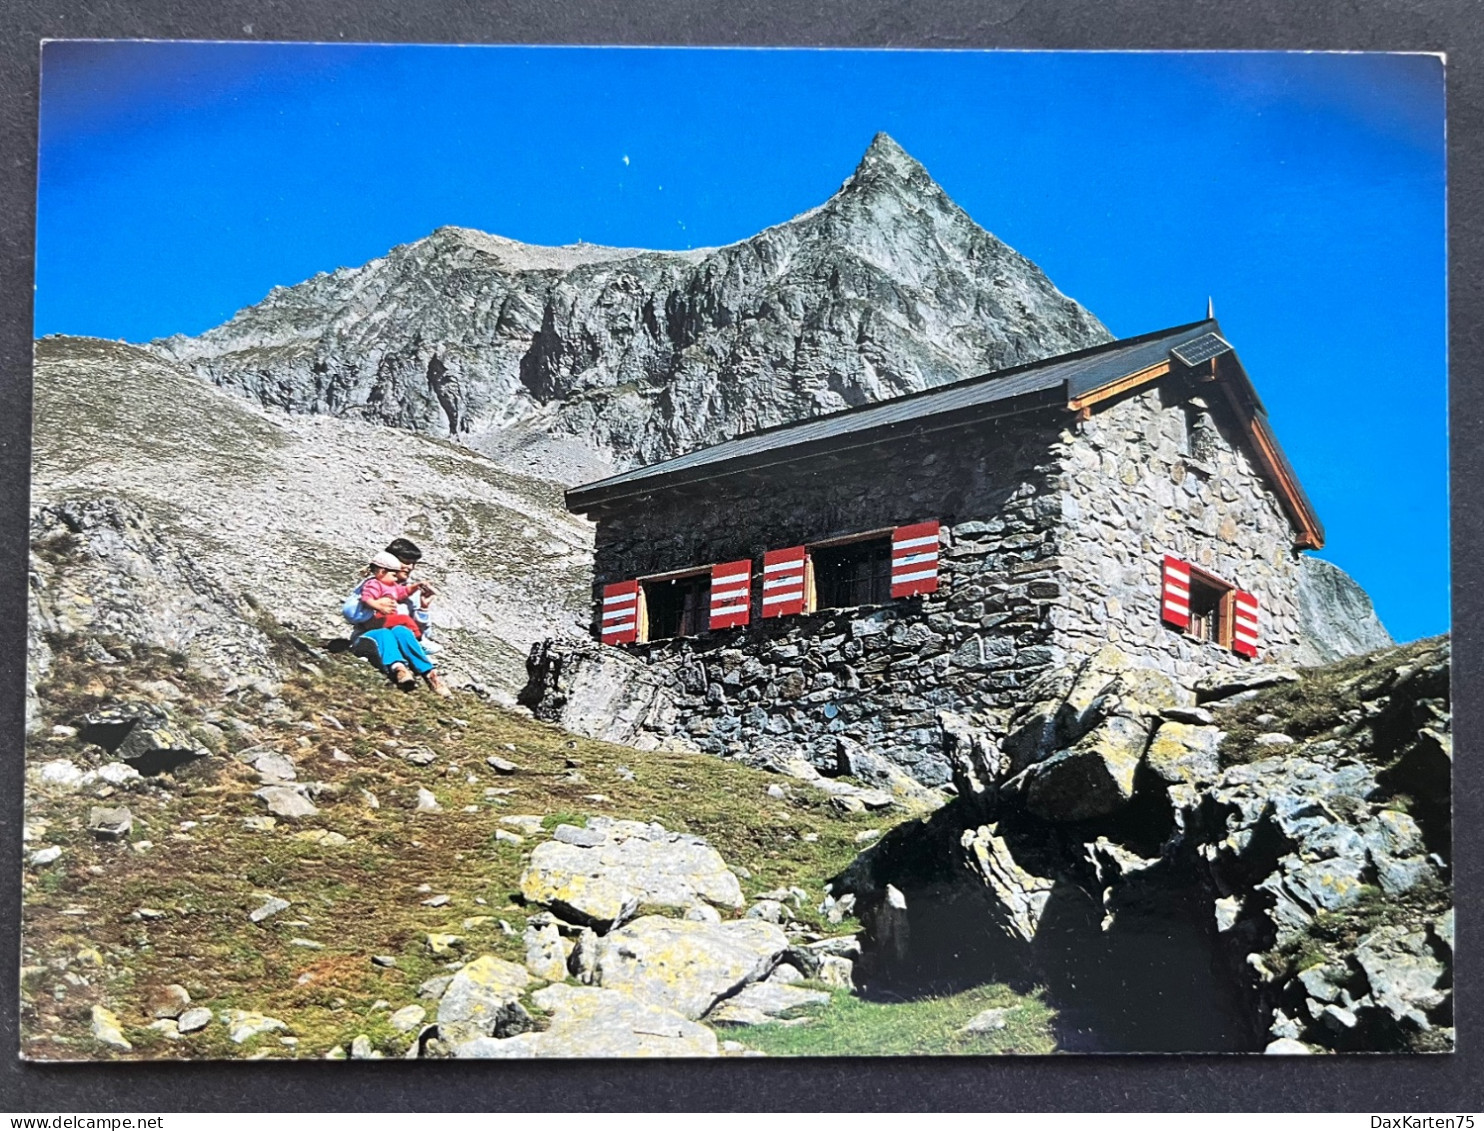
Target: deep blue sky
<point>179,182</point>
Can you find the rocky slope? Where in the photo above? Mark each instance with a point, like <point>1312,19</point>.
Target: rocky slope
<point>1261,862</point>
<point>323,867</point>
<point>556,355</point>
<point>192,506</point>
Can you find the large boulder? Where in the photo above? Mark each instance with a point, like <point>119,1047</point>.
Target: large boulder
<point>1336,616</point>
<point>1092,778</point>
<point>603,875</point>
<point>590,1022</point>
<point>597,691</point>
<point>685,965</point>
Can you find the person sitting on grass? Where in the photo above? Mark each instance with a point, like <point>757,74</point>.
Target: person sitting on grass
<point>383,594</point>
<point>420,594</point>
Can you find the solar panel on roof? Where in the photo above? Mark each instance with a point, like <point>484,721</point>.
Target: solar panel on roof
<point>1201,349</point>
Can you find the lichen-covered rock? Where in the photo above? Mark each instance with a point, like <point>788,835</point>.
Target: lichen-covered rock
<point>1182,752</point>
<point>107,1029</point>
<point>762,1002</point>
<point>684,965</point>
<point>546,952</point>
<point>590,1022</point>
<point>483,1000</point>
<point>1093,778</point>
<point>624,866</point>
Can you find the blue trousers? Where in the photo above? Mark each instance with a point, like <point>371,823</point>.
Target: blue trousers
<point>398,646</point>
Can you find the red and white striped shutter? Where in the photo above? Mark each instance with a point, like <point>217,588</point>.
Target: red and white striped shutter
<point>619,618</point>
<point>731,594</point>
<point>1174,606</point>
<point>1244,624</point>
<point>914,559</point>
<point>783,582</point>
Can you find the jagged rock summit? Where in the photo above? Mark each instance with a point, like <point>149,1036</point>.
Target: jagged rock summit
<point>550,355</point>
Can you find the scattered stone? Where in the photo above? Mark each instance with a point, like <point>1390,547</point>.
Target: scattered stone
<point>193,1019</point>
<point>505,836</point>
<point>778,793</point>
<point>990,1021</point>
<point>44,856</point>
<point>1223,685</point>
<point>407,1018</point>
<point>166,1027</point>
<point>168,1001</point>
<point>110,824</point>
<point>1185,752</point>
<point>434,987</point>
<point>546,952</point>
<point>1092,778</point>
<point>307,944</point>
<point>580,838</point>
<point>386,961</point>
<point>836,971</point>
<point>244,1024</point>
<point>268,909</point>
<point>360,1049</point>
<point>61,774</point>
<point>119,774</point>
<point>1287,1046</point>
<point>146,913</point>
<point>273,767</point>
<point>322,837</point>
<point>501,765</point>
<point>108,1030</point>
<point>283,801</point>
<point>420,756</point>
<point>426,802</point>
<point>437,901</point>
<point>524,823</point>
<point>443,945</point>
<point>260,824</point>
<point>1402,972</point>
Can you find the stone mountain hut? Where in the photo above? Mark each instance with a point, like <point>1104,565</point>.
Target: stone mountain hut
<point>850,576</point>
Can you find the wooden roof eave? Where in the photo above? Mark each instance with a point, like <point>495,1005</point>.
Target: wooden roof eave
<point>1248,407</point>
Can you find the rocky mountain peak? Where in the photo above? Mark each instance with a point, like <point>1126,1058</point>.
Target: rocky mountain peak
<point>570,360</point>
<point>886,162</point>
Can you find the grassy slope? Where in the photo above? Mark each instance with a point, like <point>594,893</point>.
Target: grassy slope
<point>365,898</point>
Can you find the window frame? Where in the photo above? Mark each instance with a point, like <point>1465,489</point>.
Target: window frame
<point>811,587</point>
<point>642,618</point>
<point>1225,607</point>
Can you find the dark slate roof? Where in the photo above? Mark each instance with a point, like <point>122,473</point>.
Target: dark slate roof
<point>1055,380</point>
<point>1074,373</point>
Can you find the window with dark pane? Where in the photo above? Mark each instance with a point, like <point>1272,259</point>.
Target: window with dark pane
<point>678,606</point>
<point>856,573</point>
<point>1207,602</point>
